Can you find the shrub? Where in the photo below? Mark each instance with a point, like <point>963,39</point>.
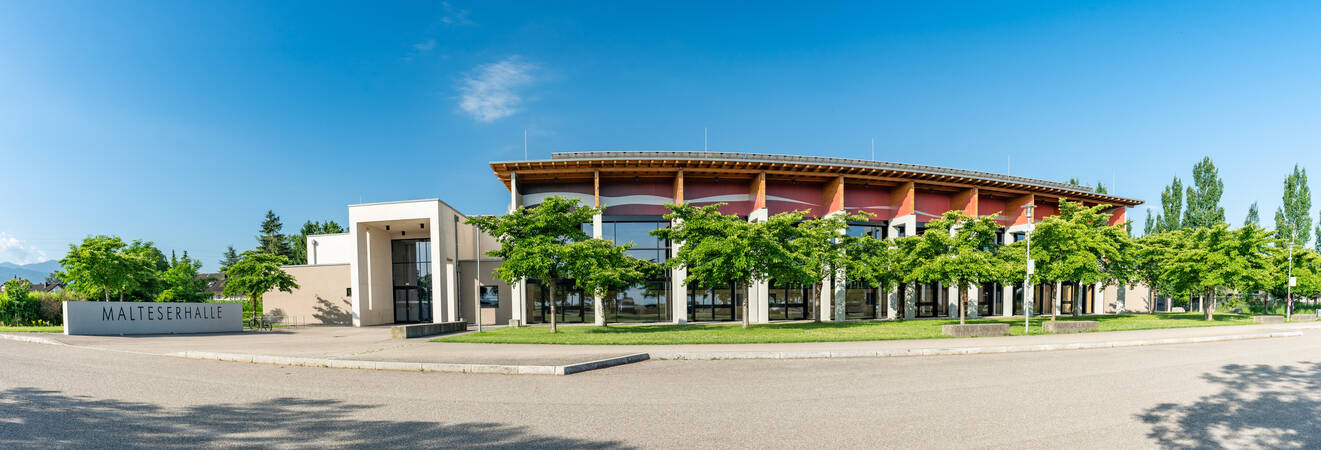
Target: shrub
<point>17,305</point>
<point>52,308</point>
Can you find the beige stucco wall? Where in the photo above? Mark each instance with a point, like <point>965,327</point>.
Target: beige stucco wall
<point>322,296</point>
<point>468,292</point>
<point>1137,299</point>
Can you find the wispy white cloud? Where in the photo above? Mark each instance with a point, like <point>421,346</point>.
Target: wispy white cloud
<point>490,91</point>
<point>455,17</point>
<point>19,252</point>
<point>425,46</point>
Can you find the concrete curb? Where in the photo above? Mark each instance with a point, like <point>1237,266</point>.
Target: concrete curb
<point>416,366</point>
<point>31,339</point>
<point>962,350</point>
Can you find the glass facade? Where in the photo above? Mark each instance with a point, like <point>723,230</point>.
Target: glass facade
<point>570,305</point>
<point>411,275</point>
<point>1069,296</point>
<point>648,301</point>
<point>860,301</point>
<point>991,302</point>
<point>1043,299</point>
<point>789,302</point>
<point>715,303</point>
<point>1018,299</point>
<point>930,300</point>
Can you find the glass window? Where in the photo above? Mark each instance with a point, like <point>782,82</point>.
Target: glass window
<point>637,233</point>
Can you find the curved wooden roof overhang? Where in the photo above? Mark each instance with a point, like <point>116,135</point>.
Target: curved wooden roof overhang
<point>647,169</point>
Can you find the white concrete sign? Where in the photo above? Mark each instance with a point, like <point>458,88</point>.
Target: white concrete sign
<point>120,318</point>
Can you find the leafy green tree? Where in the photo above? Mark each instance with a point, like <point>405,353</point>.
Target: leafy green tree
<point>1079,245</point>
<point>1293,219</point>
<point>1074,181</point>
<point>1145,258</point>
<point>298,243</point>
<point>1150,226</point>
<point>877,262</point>
<point>721,249</point>
<point>1203,199</point>
<point>1100,188</point>
<point>824,241</point>
<point>182,283</point>
<point>147,262</point>
<point>255,274</point>
<point>534,242</point>
<point>955,250</point>
<point>597,266</point>
<point>1253,217</point>
<point>1216,259</point>
<point>1171,203</point>
<point>16,306</point>
<point>272,239</point>
<point>1306,269</point>
<point>229,259</point>
<point>97,266</point>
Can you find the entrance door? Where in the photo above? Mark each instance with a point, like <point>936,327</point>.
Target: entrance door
<point>411,273</point>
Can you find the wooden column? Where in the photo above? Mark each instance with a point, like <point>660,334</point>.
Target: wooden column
<point>1014,209</point>
<point>903,200</point>
<point>678,188</point>
<point>596,189</point>
<point>832,197</point>
<point>966,201</point>
<point>757,192</point>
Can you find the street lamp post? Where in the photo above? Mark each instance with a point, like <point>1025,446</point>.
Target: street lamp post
<point>478,304</point>
<point>1288,307</point>
<point>1027,276</point>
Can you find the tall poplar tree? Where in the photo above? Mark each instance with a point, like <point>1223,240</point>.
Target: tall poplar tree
<point>1253,217</point>
<point>1203,205</point>
<point>1149,227</point>
<point>1171,203</point>
<point>1293,220</point>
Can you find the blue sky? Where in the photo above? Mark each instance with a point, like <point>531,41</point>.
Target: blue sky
<point>183,122</point>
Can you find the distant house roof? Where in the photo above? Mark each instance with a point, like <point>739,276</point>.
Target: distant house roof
<point>216,286</point>
<point>47,287</point>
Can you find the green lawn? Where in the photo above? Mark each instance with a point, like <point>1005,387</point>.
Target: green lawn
<point>620,334</point>
<point>54,329</point>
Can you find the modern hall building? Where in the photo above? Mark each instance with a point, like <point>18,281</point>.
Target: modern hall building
<point>416,261</point>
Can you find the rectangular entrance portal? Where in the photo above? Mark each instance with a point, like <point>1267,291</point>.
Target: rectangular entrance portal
<point>411,274</point>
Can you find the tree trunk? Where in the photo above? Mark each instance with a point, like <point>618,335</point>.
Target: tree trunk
<point>1208,304</point>
<point>107,293</point>
<point>963,303</point>
<point>1054,305</point>
<point>737,287</point>
<point>255,312</point>
<point>553,317</point>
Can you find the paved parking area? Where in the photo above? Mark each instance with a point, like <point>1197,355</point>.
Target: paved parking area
<point>375,344</point>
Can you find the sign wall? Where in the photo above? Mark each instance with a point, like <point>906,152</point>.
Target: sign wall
<point>121,318</point>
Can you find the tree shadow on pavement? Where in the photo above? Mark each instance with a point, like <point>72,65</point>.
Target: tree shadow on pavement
<point>1259,406</point>
<point>49,419</point>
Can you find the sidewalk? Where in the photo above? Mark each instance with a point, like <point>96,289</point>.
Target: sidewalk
<point>372,347</point>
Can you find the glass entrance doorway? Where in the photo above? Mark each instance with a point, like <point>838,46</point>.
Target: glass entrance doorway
<point>411,273</point>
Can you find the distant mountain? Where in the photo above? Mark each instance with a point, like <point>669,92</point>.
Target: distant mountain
<point>35,272</point>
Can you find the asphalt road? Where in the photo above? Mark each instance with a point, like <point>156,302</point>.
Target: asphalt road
<point>1260,393</point>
